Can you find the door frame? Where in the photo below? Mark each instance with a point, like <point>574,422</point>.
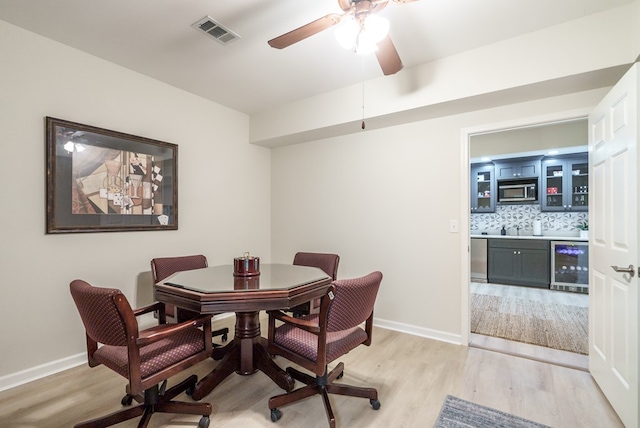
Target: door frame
<point>465,202</point>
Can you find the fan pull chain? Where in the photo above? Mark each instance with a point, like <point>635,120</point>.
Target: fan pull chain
<point>363,124</point>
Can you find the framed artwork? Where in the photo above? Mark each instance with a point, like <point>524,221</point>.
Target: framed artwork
<point>106,181</point>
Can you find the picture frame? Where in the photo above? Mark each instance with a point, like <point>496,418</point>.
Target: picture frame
<point>98,180</point>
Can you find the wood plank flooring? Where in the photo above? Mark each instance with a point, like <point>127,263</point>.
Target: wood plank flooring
<point>412,374</point>
<point>539,353</point>
<point>531,293</point>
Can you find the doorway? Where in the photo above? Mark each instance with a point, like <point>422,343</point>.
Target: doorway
<point>562,136</point>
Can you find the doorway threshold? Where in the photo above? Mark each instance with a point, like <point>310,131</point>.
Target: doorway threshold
<point>532,352</point>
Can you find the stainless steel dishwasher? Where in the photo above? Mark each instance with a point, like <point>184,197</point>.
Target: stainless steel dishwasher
<point>478,260</point>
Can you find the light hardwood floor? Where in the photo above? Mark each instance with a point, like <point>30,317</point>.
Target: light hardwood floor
<point>539,353</point>
<point>531,293</point>
<point>412,374</point>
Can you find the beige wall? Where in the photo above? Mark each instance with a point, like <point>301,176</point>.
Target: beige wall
<point>532,66</point>
<point>39,324</point>
<point>383,200</point>
<point>563,135</point>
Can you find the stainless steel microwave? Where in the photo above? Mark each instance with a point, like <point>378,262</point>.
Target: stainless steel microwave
<point>514,191</point>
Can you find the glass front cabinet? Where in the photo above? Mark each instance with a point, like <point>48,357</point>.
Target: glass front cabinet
<point>483,186</point>
<point>565,184</point>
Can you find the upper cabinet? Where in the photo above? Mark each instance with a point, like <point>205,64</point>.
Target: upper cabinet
<point>565,184</point>
<point>483,188</point>
<point>507,169</point>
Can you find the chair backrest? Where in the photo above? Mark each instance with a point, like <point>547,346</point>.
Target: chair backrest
<point>162,267</point>
<point>109,320</point>
<point>105,313</point>
<point>325,261</point>
<point>353,301</point>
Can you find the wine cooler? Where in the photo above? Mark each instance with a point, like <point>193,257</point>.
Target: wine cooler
<point>570,266</point>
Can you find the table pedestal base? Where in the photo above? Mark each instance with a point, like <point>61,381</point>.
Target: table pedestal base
<point>245,355</point>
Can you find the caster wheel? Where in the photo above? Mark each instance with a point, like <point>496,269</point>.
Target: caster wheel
<point>340,375</point>
<point>127,400</point>
<point>204,422</point>
<point>375,404</point>
<point>275,415</point>
<point>189,391</point>
<point>225,337</point>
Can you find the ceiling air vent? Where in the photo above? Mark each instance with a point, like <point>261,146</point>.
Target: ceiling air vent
<point>215,30</point>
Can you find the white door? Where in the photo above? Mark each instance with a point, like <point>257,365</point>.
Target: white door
<point>613,218</point>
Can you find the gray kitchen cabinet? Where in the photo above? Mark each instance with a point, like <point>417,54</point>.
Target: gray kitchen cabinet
<point>517,169</point>
<point>565,184</point>
<point>483,188</point>
<point>519,262</point>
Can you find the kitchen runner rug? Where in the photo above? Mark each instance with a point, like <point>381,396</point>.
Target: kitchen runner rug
<point>458,413</point>
<point>552,325</point>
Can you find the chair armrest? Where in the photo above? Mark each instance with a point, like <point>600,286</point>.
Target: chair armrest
<point>150,336</point>
<point>150,308</point>
<point>309,326</point>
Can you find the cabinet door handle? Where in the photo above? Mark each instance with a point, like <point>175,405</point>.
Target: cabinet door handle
<point>630,270</point>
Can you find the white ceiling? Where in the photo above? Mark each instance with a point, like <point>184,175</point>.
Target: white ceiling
<point>155,38</point>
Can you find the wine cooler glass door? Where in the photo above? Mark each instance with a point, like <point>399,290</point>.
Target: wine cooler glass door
<point>570,266</point>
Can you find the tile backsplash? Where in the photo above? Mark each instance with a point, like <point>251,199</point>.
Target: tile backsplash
<point>512,216</point>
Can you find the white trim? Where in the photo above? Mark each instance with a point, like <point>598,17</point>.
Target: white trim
<point>417,331</point>
<point>38,372</point>
<point>465,241</point>
<point>34,373</point>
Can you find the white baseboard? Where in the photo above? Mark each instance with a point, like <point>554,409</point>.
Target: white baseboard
<point>456,339</point>
<point>34,373</point>
<point>53,367</point>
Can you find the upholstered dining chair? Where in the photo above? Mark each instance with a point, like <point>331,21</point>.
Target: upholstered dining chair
<point>146,357</point>
<point>315,340</point>
<point>325,261</point>
<point>163,267</point>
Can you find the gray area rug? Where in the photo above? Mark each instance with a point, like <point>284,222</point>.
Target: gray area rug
<point>458,413</point>
<point>552,325</point>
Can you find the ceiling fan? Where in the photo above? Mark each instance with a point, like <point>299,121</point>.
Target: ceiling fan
<point>361,13</point>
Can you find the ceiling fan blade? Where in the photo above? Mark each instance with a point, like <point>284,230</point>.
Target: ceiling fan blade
<point>388,57</point>
<point>344,4</point>
<point>376,5</point>
<point>301,33</point>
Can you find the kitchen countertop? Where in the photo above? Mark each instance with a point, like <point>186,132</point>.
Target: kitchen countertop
<point>475,234</point>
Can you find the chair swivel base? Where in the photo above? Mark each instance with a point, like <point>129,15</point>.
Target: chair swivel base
<point>322,385</point>
<point>156,402</point>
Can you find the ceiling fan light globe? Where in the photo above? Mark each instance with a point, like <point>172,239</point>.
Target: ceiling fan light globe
<point>365,44</point>
<point>376,27</point>
<point>347,33</point>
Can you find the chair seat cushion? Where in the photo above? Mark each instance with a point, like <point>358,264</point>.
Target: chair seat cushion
<point>156,356</point>
<point>306,344</point>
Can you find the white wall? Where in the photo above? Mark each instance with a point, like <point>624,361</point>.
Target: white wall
<point>579,53</point>
<point>383,200</point>
<point>217,167</point>
<point>496,145</point>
